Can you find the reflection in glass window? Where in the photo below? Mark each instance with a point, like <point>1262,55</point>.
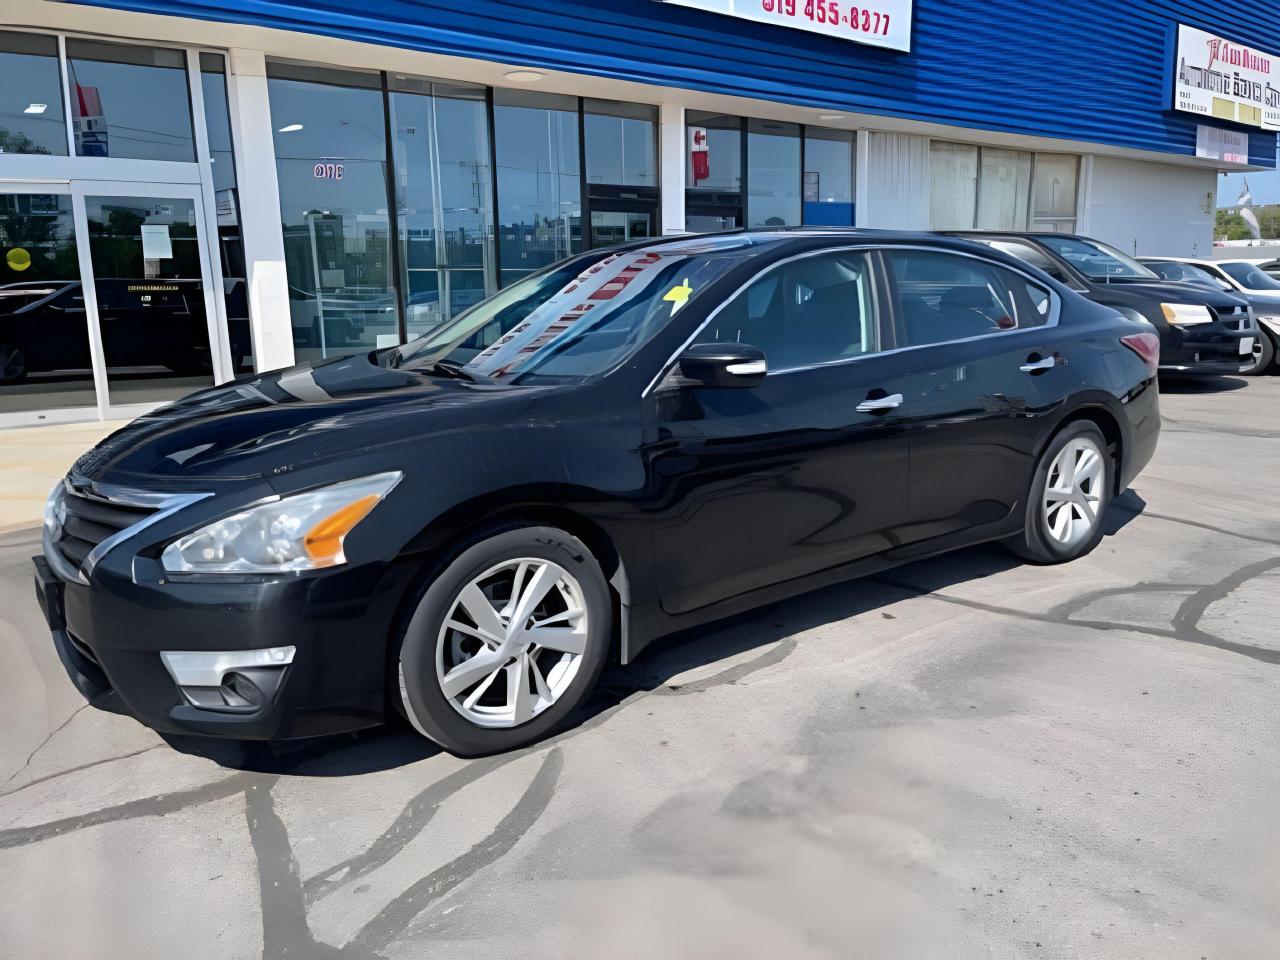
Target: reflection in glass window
<point>621,143</point>
<point>44,336</point>
<point>773,173</point>
<point>129,101</point>
<point>539,195</point>
<point>443,186</point>
<point>828,177</point>
<point>713,177</point>
<point>330,144</point>
<point>31,116</point>
<point>213,85</point>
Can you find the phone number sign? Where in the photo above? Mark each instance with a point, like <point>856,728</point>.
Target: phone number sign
<point>882,23</point>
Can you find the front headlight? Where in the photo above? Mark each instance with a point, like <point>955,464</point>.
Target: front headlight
<point>301,532</point>
<point>55,510</point>
<point>1186,314</point>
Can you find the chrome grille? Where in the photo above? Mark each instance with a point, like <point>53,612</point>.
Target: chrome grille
<point>91,520</point>
<point>1234,318</point>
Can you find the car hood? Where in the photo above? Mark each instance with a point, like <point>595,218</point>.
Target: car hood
<point>270,424</point>
<point>1265,304</point>
<point>1171,292</point>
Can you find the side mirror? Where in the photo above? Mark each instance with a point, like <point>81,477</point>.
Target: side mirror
<point>723,365</point>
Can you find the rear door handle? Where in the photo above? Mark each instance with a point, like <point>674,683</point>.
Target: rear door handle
<point>880,404</point>
<point>1034,366</point>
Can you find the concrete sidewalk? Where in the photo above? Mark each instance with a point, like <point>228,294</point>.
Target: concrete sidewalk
<point>33,458</point>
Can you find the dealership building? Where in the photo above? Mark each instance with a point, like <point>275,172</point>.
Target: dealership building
<point>191,190</point>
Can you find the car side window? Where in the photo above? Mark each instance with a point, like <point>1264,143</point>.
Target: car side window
<point>811,310</point>
<point>946,296</point>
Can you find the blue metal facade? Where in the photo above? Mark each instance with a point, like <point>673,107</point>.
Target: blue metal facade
<point>1086,70</point>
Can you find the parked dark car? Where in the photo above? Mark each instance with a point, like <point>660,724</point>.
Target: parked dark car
<point>627,443</point>
<point>1243,279</point>
<point>1202,332</point>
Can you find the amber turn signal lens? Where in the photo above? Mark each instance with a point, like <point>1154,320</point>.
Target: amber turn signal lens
<point>324,542</point>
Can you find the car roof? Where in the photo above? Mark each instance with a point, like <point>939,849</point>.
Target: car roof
<point>805,237</point>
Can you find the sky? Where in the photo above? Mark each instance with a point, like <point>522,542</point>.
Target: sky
<point>1265,187</point>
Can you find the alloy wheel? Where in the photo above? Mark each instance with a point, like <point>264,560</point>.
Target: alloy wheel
<point>12,363</point>
<point>512,642</point>
<point>1073,492</point>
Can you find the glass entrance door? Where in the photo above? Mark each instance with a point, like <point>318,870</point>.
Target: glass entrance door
<point>46,361</point>
<point>151,298</point>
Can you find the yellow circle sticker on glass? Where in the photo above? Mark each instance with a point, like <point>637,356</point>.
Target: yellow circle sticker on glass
<point>18,259</point>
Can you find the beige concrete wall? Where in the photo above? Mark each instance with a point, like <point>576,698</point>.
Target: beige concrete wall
<point>32,458</point>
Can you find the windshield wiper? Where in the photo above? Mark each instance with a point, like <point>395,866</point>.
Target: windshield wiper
<point>453,371</point>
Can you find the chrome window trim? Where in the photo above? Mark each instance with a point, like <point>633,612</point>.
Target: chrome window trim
<point>1055,308</point>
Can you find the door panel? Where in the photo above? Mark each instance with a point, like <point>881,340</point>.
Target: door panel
<point>788,478</point>
<point>969,326</point>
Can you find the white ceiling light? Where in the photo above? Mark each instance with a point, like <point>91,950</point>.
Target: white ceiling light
<point>831,116</point>
<point>291,128</point>
<point>524,76</point>
<point>36,108</point>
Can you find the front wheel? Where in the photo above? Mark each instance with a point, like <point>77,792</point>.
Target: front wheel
<point>506,641</point>
<point>1068,494</point>
<point>1259,362</point>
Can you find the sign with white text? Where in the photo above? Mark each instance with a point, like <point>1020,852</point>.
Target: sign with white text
<point>880,23</point>
<point>1216,77</point>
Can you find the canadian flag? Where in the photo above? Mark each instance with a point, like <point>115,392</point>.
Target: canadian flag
<point>699,153</point>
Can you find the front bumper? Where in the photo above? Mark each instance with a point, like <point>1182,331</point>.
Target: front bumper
<point>1210,353</point>
<point>110,634</point>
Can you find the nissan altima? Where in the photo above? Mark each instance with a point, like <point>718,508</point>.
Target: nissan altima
<point>463,530</point>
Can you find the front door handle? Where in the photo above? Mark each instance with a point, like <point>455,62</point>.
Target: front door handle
<point>1035,366</point>
<point>880,404</point>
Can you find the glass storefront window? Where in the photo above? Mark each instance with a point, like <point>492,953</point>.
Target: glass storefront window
<point>44,333</point>
<point>539,188</point>
<point>444,209</point>
<point>713,177</point>
<point>129,101</point>
<point>773,173</point>
<point>828,177</point>
<point>31,113</point>
<point>1004,183</point>
<point>1053,199</point>
<point>230,241</point>
<point>330,144</point>
<point>621,143</point>
<point>953,185</point>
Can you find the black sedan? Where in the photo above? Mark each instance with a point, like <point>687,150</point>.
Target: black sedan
<point>466,528</point>
<point>1202,332</point>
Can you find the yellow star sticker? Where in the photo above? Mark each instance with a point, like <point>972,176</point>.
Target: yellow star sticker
<point>678,295</point>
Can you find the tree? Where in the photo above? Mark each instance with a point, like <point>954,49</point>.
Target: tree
<point>1229,225</point>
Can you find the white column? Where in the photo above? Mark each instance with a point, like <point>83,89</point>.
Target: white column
<point>861,178</point>
<point>268,290</point>
<point>671,138</point>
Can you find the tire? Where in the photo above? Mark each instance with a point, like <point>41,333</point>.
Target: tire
<point>1049,535</point>
<point>13,363</point>
<point>485,710</point>
<point>1264,352</point>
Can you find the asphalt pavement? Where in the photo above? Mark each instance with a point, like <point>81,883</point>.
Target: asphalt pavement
<point>965,757</point>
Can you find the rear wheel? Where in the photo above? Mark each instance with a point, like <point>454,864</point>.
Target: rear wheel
<point>13,363</point>
<point>1068,494</point>
<point>1264,352</point>
<point>506,641</point>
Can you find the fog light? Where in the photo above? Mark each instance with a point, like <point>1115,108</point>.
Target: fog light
<point>230,681</point>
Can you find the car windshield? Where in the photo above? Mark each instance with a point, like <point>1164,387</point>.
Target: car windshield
<point>576,320</point>
<point>1185,272</point>
<point>1250,276</point>
<point>1097,261</point>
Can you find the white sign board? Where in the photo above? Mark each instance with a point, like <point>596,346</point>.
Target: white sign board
<point>880,23</point>
<point>155,242</point>
<point>1215,143</point>
<point>1216,77</point>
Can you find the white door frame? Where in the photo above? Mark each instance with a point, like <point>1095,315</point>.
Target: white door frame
<point>82,189</point>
